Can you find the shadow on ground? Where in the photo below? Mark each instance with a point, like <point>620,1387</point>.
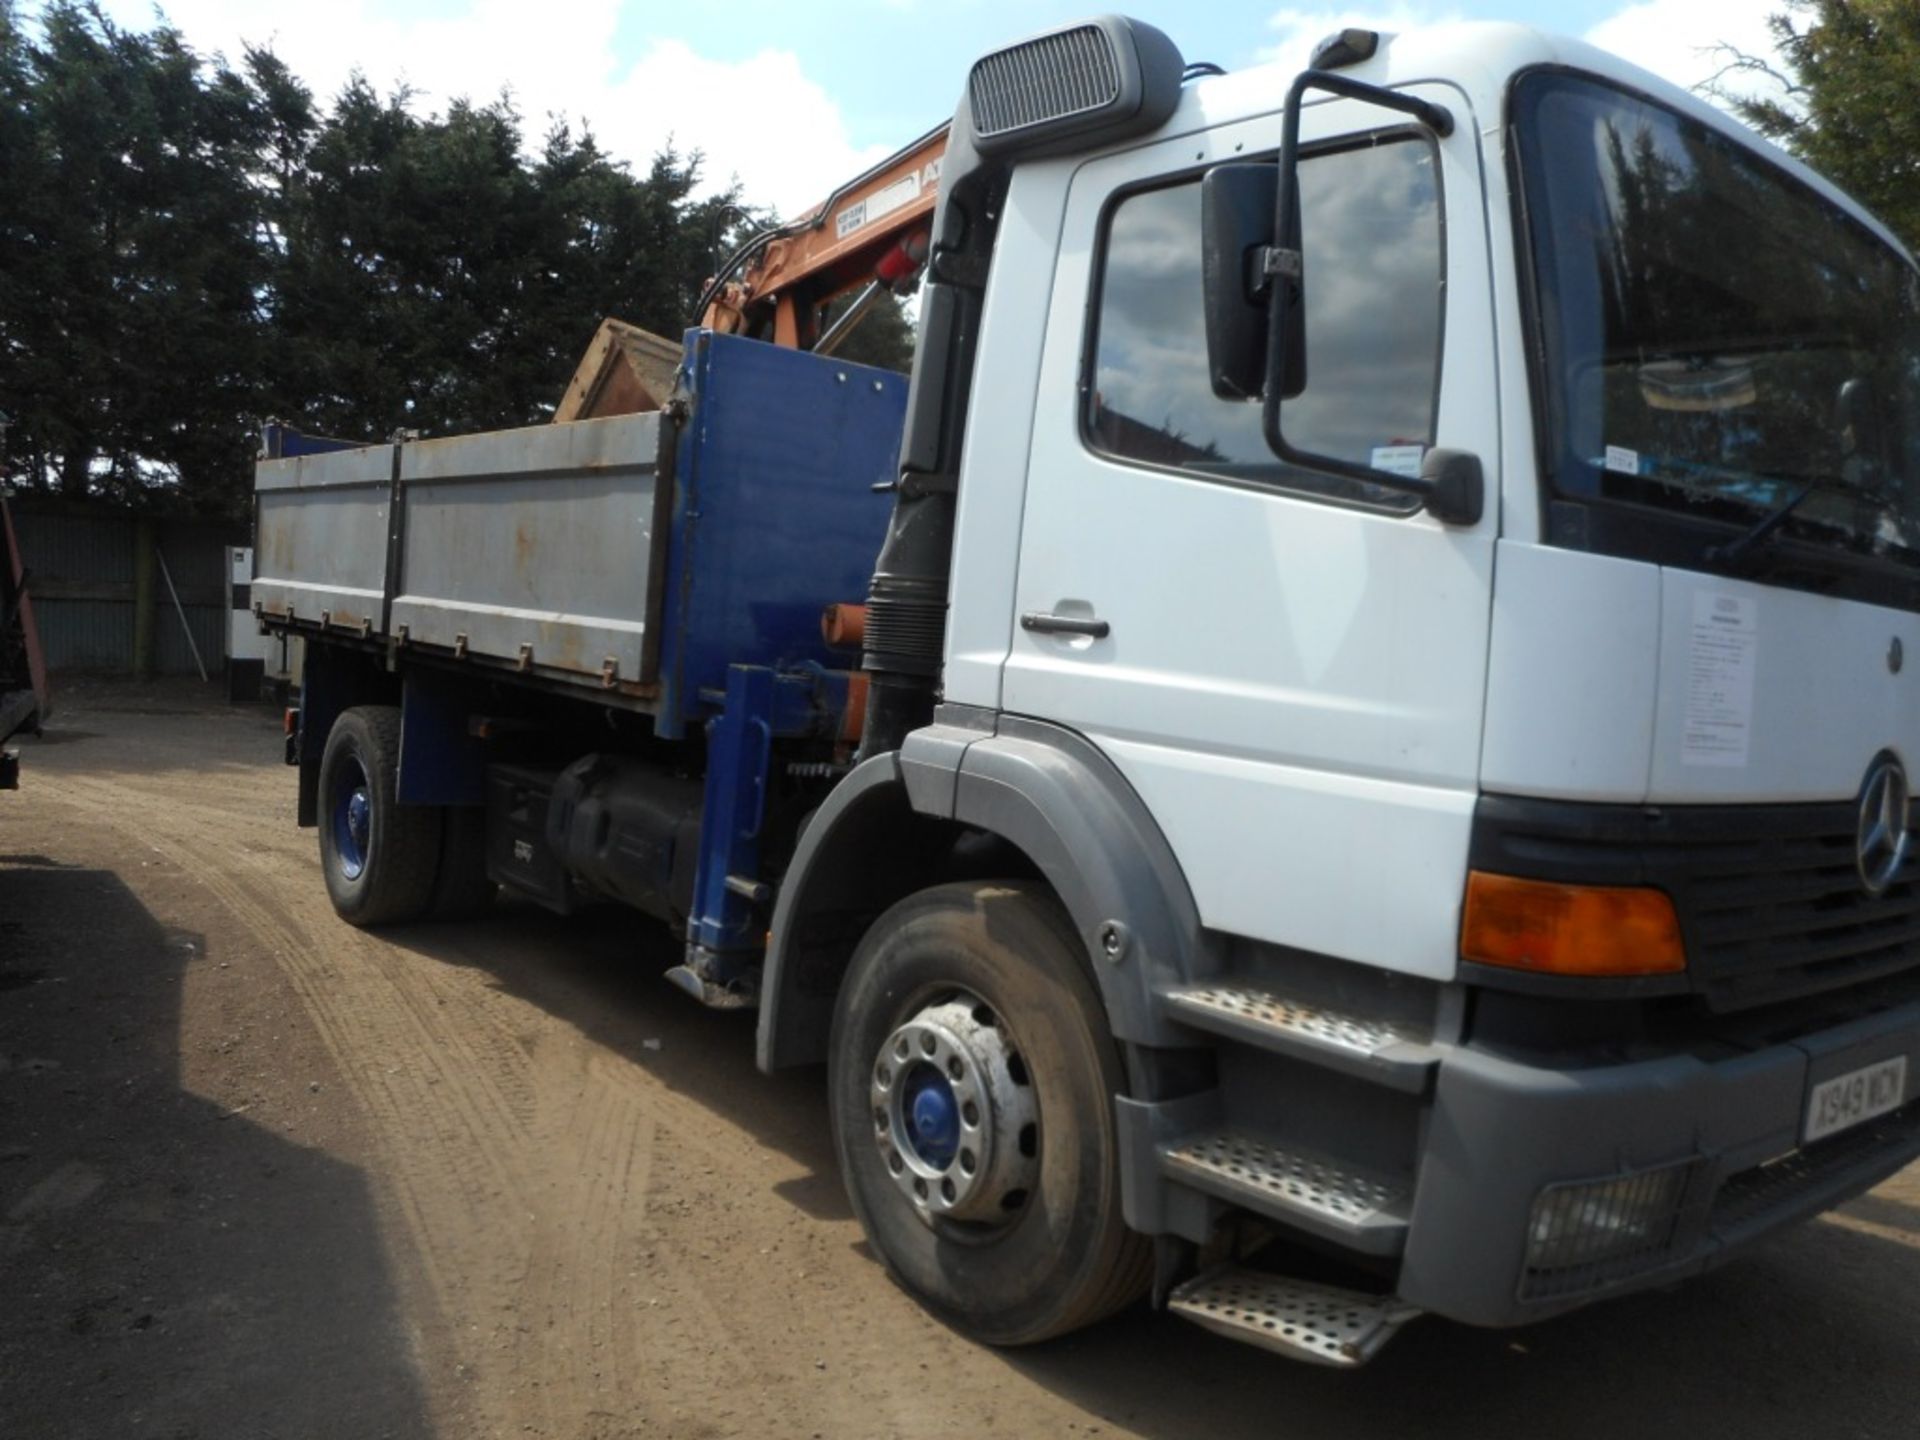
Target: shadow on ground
<point>168,1267</point>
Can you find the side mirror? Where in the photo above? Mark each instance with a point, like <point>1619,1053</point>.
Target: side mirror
<point>1237,203</point>
<point>1450,483</point>
<point>1455,486</point>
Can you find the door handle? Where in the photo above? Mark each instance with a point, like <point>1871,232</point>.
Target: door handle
<point>1050,624</point>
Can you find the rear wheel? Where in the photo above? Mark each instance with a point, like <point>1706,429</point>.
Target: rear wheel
<point>379,856</point>
<point>973,1077</point>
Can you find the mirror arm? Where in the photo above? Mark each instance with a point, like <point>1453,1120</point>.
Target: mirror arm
<point>1436,118</point>
<point>1450,492</point>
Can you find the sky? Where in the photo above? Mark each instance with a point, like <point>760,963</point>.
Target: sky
<point>793,96</point>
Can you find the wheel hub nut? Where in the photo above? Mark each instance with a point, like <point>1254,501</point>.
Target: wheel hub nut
<point>954,1114</point>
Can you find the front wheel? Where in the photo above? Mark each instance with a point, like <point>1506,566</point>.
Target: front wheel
<point>972,1079</point>
<point>379,856</point>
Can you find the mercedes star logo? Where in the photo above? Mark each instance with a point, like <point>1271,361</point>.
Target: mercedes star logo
<point>1880,844</point>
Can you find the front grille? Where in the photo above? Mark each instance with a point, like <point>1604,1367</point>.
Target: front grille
<point>1753,1197</point>
<point>1769,898</point>
<point>1795,916</point>
<point>1045,79</point>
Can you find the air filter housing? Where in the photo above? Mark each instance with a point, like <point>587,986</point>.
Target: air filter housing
<point>1100,80</point>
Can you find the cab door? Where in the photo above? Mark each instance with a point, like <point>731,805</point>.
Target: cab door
<point>1288,668</point>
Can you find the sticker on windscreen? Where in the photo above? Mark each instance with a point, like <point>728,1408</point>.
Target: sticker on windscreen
<point>1621,460</point>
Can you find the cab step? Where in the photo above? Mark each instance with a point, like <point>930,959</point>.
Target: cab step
<point>1375,1050</point>
<point>1319,1324</point>
<point>1331,1198</point>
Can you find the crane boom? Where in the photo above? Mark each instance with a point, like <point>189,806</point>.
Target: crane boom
<point>873,230</point>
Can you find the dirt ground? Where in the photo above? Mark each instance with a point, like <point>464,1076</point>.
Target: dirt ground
<point>262,1175</point>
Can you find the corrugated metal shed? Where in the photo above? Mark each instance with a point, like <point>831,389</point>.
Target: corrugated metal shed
<point>80,570</point>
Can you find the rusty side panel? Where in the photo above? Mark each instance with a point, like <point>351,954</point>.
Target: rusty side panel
<point>532,546</point>
<point>529,549</point>
<point>320,545</point>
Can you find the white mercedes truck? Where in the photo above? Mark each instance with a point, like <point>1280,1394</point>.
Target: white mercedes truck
<point>1375,782</point>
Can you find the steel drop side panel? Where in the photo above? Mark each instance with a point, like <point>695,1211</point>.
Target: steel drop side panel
<point>320,537</point>
<point>538,538</point>
<point>535,545</point>
<point>647,549</point>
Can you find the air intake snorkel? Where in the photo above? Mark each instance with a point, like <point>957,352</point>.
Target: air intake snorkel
<point>1073,88</point>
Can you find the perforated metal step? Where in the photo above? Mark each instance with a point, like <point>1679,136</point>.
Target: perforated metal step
<point>1376,1049</point>
<point>1315,1323</point>
<point>1353,1206</point>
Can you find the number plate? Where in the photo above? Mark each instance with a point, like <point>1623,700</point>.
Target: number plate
<point>1854,1098</point>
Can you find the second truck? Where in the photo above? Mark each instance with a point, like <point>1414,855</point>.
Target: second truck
<point>1374,780</point>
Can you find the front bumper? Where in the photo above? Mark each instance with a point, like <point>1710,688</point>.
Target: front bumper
<point>1501,1131</point>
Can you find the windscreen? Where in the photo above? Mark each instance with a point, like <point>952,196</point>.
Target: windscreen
<point>1717,338</point>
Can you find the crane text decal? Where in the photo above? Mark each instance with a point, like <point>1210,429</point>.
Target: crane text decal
<point>882,203</point>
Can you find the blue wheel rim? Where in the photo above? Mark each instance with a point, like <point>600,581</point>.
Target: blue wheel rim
<point>352,818</point>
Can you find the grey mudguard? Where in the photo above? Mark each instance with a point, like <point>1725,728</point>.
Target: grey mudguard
<point>1043,789</point>
<point>1050,792</point>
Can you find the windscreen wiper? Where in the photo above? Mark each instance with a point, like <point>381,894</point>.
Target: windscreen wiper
<point>1735,551</point>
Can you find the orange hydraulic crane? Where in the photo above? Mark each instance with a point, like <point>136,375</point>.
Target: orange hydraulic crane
<point>874,229</point>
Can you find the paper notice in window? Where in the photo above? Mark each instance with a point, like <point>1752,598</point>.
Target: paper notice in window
<point>1721,653</point>
<point>1398,459</point>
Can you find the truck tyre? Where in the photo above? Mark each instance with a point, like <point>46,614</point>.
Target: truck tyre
<point>461,888</point>
<point>378,855</point>
<point>972,1076</point>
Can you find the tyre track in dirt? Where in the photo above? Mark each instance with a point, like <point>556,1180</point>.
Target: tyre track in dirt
<point>519,1194</point>
<point>392,1060</point>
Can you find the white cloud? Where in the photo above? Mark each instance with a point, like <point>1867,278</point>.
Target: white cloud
<point>1689,41</point>
<point>760,118</point>
<point>1298,31</point>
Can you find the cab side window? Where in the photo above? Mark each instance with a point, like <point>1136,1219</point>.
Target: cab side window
<point>1371,238</point>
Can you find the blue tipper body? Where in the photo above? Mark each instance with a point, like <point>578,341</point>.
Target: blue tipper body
<point>774,511</point>
<point>775,505</point>
<point>779,508</point>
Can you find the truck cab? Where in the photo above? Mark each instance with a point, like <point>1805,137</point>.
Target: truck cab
<point>1517,898</point>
